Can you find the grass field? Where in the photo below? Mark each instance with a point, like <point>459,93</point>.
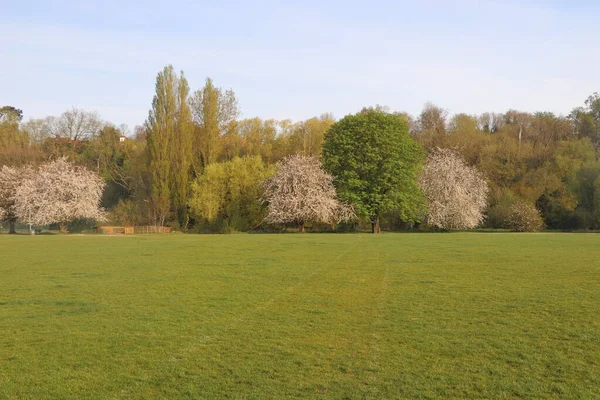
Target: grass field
<point>465,315</point>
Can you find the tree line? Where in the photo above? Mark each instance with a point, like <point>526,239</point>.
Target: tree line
<point>196,165</point>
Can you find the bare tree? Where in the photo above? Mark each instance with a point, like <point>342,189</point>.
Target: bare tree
<point>490,122</point>
<point>432,120</point>
<point>74,124</point>
<point>456,192</point>
<point>59,192</point>
<point>37,129</point>
<point>301,191</point>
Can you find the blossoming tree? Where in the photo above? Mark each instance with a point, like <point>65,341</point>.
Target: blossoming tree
<point>59,192</point>
<point>10,179</point>
<point>301,191</point>
<point>456,192</point>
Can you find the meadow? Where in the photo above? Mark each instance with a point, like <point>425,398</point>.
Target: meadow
<point>343,316</point>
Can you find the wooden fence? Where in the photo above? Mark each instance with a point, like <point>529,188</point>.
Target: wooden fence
<point>130,230</point>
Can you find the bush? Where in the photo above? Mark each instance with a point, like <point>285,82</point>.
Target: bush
<point>227,196</point>
<point>501,201</point>
<point>524,217</point>
<point>125,213</point>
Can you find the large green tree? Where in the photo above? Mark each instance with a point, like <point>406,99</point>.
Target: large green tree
<point>169,134</point>
<point>375,164</point>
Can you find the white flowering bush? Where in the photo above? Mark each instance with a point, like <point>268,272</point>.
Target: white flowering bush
<point>524,217</point>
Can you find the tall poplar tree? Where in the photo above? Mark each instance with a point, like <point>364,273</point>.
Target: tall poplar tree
<point>182,153</point>
<point>213,111</point>
<point>169,130</point>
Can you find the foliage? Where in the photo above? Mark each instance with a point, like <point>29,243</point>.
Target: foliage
<point>546,159</point>
<point>456,192</point>
<point>13,141</point>
<point>229,193</point>
<point>59,192</point>
<point>587,189</point>
<point>500,203</point>
<point>127,213</point>
<point>214,111</point>
<point>524,217</point>
<point>375,163</point>
<point>586,120</point>
<point>302,192</point>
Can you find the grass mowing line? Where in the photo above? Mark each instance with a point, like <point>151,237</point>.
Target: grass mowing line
<point>290,289</point>
<point>377,324</point>
<point>184,355</point>
<point>261,306</point>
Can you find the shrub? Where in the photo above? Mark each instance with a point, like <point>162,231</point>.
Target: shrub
<point>127,213</point>
<point>501,202</point>
<point>524,217</point>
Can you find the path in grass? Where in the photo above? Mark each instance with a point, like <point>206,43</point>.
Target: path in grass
<point>265,316</point>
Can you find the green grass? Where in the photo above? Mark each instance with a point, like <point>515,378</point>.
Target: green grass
<point>466,315</point>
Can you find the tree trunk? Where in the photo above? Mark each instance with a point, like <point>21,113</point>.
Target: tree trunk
<point>11,229</point>
<point>302,230</point>
<point>375,226</point>
<point>62,227</point>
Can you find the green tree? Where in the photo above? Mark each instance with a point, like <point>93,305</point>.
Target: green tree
<point>213,111</point>
<point>464,135</point>
<point>228,194</point>
<point>10,134</point>
<point>307,136</point>
<point>375,164</point>
<point>16,145</point>
<point>586,120</point>
<point>182,153</point>
<point>169,130</point>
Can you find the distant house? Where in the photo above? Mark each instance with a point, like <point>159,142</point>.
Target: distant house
<point>122,138</point>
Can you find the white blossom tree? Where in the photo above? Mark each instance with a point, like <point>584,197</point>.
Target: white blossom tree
<point>59,192</point>
<point>456,192</point>
<point>10,179</point>
<point>301,192</point>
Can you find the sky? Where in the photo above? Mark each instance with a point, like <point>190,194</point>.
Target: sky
<point>299,59</point>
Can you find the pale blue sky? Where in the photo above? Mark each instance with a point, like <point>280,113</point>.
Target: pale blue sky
<point>298,59</point>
